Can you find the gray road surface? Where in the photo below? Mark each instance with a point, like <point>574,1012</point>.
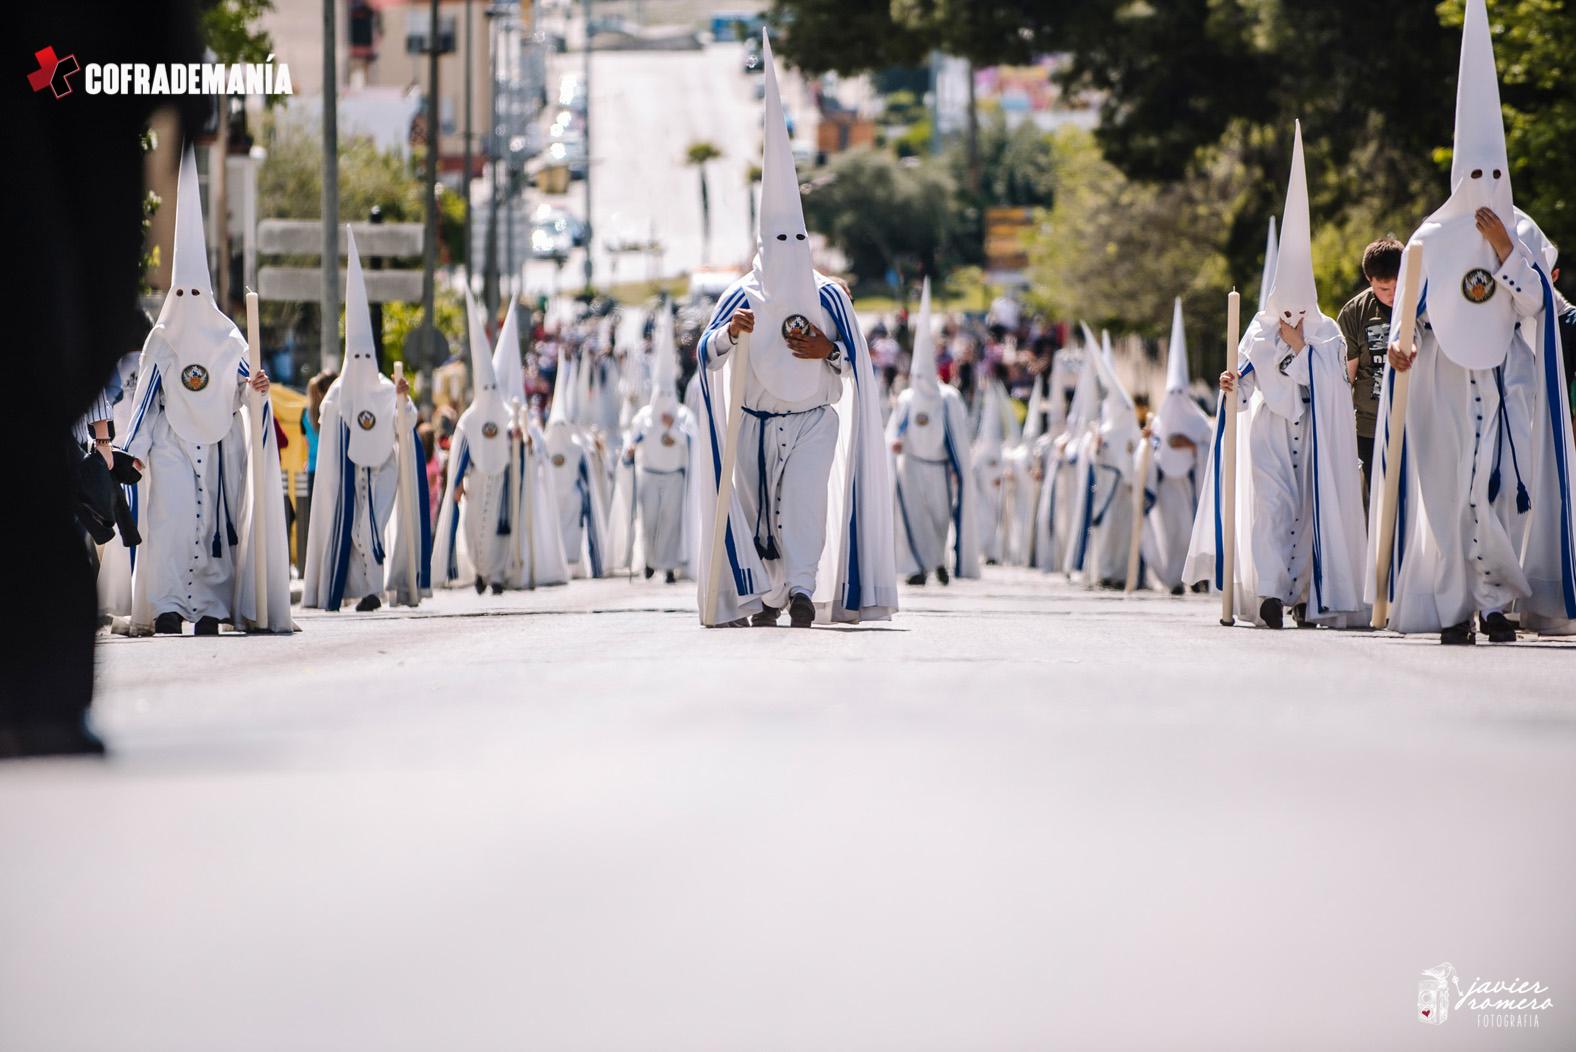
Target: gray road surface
<point>1019,816</point>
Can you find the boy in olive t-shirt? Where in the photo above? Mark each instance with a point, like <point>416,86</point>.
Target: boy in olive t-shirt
<point>1365,325</point>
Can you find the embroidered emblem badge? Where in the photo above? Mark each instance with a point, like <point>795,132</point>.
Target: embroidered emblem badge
<point>796,325</point>
<point>194,377</point>
<point>1478,285</point>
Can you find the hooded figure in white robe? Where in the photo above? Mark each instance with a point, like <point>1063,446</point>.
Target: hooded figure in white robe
<point>475,535</point>
<point>116,557</point>
<point>1071,394</point>
<point>633,376</point>
<point>1103,506</point>
<point>652,513</point>
<point>579,482</point>
<point>1484,519</point>
<point>1179,449</point>
<point>356,549</point>
<point>535,545</point>
<point>191,432</point>
<point>933,468</point>
<point>810,526</point>
<point>1300,528</point>
<point>1023,478</point>
<point>991,440</point>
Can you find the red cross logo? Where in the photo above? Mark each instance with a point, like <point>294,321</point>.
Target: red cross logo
<point>52,72</point>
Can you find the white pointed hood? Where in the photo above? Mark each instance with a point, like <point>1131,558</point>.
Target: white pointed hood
<point>664,366</point>
<point>922,377</point>
<point>1293,295</point>
<point>1179,414</point>
<point>994,429</point>
<point>1034,419</point>
<point>1085,406</point>
<point>197,349</point>
<point>1177,372</point>
<point>1267,277</point>
<point>1473,325</point>
<point>584,370</point>
<point>486,421</point>
<point>781,285</point>
<point>507,367</point>
<point>365,396</point>
<point>565,386</point>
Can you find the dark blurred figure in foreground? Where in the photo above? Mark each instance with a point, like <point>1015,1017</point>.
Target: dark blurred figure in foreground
<point>75,207</point>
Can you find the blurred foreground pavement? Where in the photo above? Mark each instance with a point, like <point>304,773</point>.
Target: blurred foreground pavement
<point>1017,816</point>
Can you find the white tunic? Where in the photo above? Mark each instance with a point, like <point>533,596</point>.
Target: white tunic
<point>190,513</point>
<point>1469,462</point>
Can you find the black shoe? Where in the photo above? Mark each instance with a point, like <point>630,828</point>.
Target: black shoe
<point>206,626</point>
<point>670,578</point>
<point>766,617</point>
<point>1299,614</point>
<point>1499,628</point>
<point>1200,587</point>
<point>649,573</point>
<point>1458,635</point>
<point>801,612</point>
<point>368,604</point>
<point>1272,613</point>
<point>168,624</point>
<point>481,586</point>
<point>942,576</point>
<point>497,589</point>
<point>990,562</point>
<point>1177,589</point>
<point>915,579</point>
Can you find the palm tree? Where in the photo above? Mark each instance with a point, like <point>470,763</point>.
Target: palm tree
<point>751,177</point>
<point>698,154</point>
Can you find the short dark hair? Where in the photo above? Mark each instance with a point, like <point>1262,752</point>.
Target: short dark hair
<point>1382,260</point>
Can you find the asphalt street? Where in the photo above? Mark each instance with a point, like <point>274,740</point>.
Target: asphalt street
<point>646,109</point>
<point>1017,816</point>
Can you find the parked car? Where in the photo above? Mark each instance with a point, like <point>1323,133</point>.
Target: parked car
<point>550,241</point>
<point>560,220</point>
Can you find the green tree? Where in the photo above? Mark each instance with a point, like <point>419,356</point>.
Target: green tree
<point>698,156</point>
<point>289,186</point>
<point>886,214</point>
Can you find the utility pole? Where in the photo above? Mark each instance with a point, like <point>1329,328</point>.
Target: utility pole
<point>375,217</point>
<point>429,260</point>
<point>490,268</point>
<point>590,228</point>
<point>507,35</point>
<point>329,336</point>
<point>470,262</point>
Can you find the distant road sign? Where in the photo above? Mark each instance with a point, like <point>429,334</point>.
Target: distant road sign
<point>305,284</point>
<point>304,237</point>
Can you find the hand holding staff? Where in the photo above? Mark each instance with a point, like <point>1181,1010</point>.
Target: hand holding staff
<point>1405,315</point>
<point>259,524</point>
<point>405,498</point>
<point>1228,469</point>
<point>1140,483</point>
<point>738,370</point>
